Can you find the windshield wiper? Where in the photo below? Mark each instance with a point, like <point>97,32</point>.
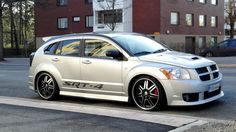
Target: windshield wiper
<point>142,53</point>
<point>160,50</point>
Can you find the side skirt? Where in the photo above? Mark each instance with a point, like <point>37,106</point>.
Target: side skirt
<point>96,96</point>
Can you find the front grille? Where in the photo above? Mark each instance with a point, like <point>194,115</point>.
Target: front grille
<point>213,67</point>
<point>211,94</point>
<point>208,73</point>
<point>201,70</point>
<point>216,74</point>
<point>205,77</point>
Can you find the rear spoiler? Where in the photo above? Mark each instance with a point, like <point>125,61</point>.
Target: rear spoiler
<point>45,39</point>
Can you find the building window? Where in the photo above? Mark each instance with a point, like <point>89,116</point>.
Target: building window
<point>202,1</point>
<point>62,23</point>
<point>111,16</point>
<point>202,20</point>
<point>76,19</point>
<point>174,18</point>
<point>189,19</point>
<point>214,2</point>
<point>213,41</point>
<point>89,21</point>
<point>213,21</point>
<point>62,2</point>
<point>88,1</point>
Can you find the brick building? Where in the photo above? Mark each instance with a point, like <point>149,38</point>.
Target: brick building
<point>186,25</point>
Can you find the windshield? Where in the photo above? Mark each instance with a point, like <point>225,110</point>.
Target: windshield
<point>139,45</point>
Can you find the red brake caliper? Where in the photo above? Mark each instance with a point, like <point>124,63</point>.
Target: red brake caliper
<point>156,91</point>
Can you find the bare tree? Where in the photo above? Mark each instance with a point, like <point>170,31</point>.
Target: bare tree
<point>113,15</point>
<point>231,16</point>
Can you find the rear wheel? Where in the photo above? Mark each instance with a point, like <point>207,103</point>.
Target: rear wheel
<point>148,94</point>
<point>209,54</point>
<point>47,87</point>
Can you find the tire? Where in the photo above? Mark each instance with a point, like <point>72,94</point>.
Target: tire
<point>148,94</point>
<point>47,87</point>
<point>209,54</point>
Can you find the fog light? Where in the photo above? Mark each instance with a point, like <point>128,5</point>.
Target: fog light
<point>191,97</point>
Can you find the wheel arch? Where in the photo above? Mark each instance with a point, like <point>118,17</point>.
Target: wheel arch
<point>130,99</point>
<point>50,69</point>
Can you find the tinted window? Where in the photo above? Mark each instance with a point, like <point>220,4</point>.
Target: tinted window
<point>70,48</point>
<point>51,49</point>
<point>224,44</point>
<point>97,48</point>
<point>232,43</point>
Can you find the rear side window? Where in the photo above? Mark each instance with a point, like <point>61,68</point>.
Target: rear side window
<point>232,44</point>
<point>70,48</point>
<point>51,49</point>
<point>64,48</point>
<point>224,44</point>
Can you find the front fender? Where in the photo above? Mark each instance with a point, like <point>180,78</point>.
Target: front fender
<point>151,70</point>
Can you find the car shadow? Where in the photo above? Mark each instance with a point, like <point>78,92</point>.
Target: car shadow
<point>115,104</point>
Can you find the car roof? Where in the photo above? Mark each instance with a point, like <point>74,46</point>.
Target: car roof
<point>103,34</point>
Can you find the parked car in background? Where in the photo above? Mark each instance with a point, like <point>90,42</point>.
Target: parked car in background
<point>224,48</point>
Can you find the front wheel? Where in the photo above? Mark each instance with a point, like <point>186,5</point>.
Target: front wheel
<point>46,86</point>
<point>148,94</point>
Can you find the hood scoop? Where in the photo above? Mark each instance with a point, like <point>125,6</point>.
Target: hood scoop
<point>195,58</point>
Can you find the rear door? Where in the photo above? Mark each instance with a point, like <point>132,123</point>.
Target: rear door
<point>66,59</point>
<point>101,74</point>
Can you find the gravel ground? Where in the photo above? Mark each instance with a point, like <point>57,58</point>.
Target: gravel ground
<point>229,126</point>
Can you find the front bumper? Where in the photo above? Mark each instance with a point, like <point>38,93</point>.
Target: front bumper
<point>176,89</point>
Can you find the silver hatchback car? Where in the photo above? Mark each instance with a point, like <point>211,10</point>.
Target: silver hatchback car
<point>122,67</point>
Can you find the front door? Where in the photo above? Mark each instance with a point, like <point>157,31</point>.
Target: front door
<point>100,74</point>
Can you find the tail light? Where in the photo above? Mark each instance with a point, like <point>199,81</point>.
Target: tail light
<point>31,57</point>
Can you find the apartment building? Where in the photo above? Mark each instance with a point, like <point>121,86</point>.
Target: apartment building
<point>185,25</point>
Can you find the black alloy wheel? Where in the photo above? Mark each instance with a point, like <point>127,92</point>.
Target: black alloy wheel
<point>47,87</point>
<point>147,93</point>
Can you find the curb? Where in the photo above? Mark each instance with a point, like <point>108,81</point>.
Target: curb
<point>227,65</point>
<point>159,118</point>
<point>189,126</point>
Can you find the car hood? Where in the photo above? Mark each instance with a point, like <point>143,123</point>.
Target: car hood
<point>177,59</point>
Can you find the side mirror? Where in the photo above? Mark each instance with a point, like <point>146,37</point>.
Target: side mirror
<point>114,54</point>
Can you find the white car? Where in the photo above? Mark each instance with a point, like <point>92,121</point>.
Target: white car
<point>123,67</point>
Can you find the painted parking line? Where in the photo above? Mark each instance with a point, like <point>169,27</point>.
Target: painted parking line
<point>153,117</point>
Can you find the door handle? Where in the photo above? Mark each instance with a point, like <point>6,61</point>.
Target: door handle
<point>55,59</point>
<point>87,62</point>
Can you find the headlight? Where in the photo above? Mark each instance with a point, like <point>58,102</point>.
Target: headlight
<point>175,73</point>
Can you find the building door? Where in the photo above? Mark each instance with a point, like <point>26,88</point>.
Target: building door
<point>190,45</point>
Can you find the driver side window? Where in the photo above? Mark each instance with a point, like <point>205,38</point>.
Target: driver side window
<point>97,48</point>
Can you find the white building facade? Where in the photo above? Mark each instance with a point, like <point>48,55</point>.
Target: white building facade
<point>105,20</point>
